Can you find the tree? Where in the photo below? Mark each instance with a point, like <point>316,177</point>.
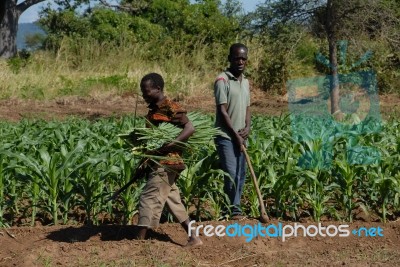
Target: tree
<point>178,21</point>
<point>10,12</point>
<point>332,16</point>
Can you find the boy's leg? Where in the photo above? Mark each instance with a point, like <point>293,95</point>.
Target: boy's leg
<point>142,233</point>
<point>178,210</point>
<point>152,201</point>
<point>230,160</point>
<point>161,188</point>
<point>193,239</point>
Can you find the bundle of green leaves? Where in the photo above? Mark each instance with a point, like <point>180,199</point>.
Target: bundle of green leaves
<point>141,140</point>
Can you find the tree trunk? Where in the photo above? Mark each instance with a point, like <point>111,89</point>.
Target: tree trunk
<point>331,30</point>
<point>2,9</point>
<point>334,82</point>
<point>8,30</point>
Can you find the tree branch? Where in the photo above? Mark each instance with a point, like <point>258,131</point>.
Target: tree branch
<point>27,4</point>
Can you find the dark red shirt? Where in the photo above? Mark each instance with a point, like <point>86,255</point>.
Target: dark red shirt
<point>172,112</point>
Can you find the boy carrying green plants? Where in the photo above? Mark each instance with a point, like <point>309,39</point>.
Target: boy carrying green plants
<point>160,188</point>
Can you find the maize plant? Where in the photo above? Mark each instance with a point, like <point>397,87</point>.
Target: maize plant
<point>50,170</point>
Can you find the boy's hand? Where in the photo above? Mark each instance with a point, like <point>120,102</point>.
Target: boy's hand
<point>134,137</point>
<point>170,147</point>
<point>163,150</point>
<point>244,133</point>
<point>239,141</point>
<point>154,152</point>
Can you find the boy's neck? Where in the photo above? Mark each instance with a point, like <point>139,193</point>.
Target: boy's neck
<point>160,99</point>
<point>236,74</point>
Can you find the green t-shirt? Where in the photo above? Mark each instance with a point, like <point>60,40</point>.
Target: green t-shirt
<point>229,90</point>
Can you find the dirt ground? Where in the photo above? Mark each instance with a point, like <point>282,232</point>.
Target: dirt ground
<point>104,106</point>
<point>113,245</point>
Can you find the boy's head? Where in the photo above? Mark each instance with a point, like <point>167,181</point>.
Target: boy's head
<point>238,57</point>
<point>152,87</point>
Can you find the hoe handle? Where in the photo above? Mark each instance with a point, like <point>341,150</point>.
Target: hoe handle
<point>264,215</point>
<point>140,171</point>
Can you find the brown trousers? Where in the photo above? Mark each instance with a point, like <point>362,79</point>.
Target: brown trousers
<point>160,189</point>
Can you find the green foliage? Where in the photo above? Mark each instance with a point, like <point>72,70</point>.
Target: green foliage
<point>286,54</point>
<point>335,192</point>
<point>121,82</point>
<point>146,139</point>
<point>158,22</point>
<point>368,24</point>
<point>107,25</point>
<point>62,23</point>
<point>205,20</point>
<point>49,170</point>
<point>183,35</point>
<point>17,63</point>
<point>146,31</point>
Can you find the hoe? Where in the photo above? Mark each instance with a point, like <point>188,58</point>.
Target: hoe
<point>263,214</point>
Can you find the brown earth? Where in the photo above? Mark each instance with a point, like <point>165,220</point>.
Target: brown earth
<point>112,245</point>
<point>105,106</point>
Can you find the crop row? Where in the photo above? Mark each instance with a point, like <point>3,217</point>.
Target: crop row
<point>64,172</point>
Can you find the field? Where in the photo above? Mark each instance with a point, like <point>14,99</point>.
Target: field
<point>330,184</point>
<point>107,241</point>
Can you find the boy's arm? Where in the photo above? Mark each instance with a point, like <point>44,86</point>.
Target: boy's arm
<point>187,131</point>
<point>244,133</point>
<point>237,138</point>
<point>181,121</point>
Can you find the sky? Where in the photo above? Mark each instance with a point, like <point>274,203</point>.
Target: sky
<point>32,15</point>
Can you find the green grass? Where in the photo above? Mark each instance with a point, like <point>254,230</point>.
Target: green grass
<point>88,68</point>
<point>91,68</point>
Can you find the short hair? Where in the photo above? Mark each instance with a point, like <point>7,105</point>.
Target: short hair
<point>237,46</point>
<point>155,78</point>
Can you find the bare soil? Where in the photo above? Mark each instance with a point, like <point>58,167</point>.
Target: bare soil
<point>114,245</point>
<point>116,105</point>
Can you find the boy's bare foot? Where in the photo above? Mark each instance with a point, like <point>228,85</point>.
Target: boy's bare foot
<point>193,242</point>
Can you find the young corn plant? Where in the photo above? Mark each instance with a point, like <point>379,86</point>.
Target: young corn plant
<point>124,164</point>
<point>14,192</point>
<point>387,185</point>
<point>27,169</point>
<point>189,184</point>
<point>318,192</point>
<point>49,171</point>
<point>289,194</point>
<point>88,187</point>
<point>346,180</point>
<point>218,200</point>
<point>22,179</point>
<point>201,180</point>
